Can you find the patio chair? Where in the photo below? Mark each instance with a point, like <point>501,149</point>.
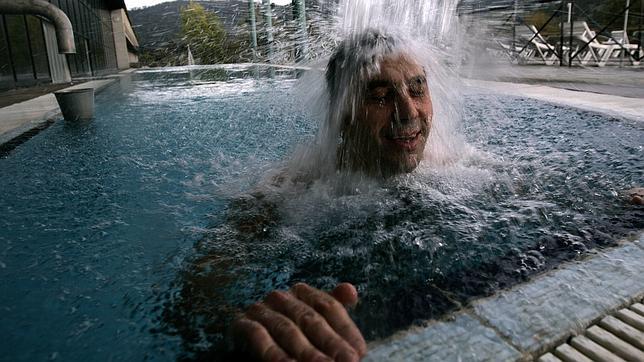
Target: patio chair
<point>547,52</point>
<point>595,51</point>
<point>625,49</point>
<point>516,53</point>
<point>528,48</point>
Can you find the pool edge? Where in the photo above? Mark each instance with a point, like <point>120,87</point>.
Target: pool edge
<point>497,327</point>
<point>37,114</point>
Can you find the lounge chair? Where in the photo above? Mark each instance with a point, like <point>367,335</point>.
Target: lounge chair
<point>517,53</point>
<point>530,47</point>
<point>625,50</point>
<point>586,47</point>
<point>547,52</point>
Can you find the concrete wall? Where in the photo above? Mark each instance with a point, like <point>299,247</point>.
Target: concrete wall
<point>120,41</point>
<point>123,34</point>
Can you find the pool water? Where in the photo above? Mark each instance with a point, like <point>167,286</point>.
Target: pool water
<point>128,237</point>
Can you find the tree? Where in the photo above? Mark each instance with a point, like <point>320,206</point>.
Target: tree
<point>203,32</point>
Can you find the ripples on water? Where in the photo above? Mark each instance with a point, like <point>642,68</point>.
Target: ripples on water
<point>109,226</point>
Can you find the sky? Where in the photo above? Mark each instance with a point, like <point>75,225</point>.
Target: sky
<point>133,4</point>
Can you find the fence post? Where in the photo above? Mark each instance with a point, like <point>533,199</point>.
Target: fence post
<point>572,9</point>
<point>268,19</point>
<point>561,35</point>
<point>639,32</point>
<point>253,29</point>
<point>624,51</point>
<point>302,38</point>
<point>514,28</point>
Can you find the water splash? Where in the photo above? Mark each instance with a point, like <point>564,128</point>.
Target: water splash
<point>427,31</point>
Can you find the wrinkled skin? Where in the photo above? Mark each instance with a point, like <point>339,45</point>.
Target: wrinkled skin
<point>303,324</point>
<point>389,134</point>
<point>387,137</point>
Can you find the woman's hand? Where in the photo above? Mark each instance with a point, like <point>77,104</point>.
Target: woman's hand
<point>303,324</point>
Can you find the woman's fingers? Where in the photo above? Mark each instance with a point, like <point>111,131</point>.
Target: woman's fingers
<point>334,313</point>
<point>255,337</point>
<point>313,325</point>
<point>285,333</point>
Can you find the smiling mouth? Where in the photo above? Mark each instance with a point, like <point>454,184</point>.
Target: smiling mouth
<point>406,142</point>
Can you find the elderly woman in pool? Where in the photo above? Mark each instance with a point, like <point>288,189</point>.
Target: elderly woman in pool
<point>384,118</point>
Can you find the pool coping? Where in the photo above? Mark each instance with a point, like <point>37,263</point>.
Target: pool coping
<point>514,325</point>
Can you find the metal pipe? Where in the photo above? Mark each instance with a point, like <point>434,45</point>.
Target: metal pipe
<point>64,30</point>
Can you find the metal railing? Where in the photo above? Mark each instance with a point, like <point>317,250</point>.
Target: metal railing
<point>578,46</point>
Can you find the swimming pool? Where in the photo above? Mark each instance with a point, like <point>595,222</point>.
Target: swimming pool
<point>100,219</point>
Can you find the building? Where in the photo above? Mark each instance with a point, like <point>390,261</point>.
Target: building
<point>29,42</point>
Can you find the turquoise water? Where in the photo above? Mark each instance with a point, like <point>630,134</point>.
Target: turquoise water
<point>97,216</point>
<point>102,222</point>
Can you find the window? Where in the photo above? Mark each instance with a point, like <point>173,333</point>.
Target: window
<point>6,70</point>
<point>19,45</point>
<point>38,48</point>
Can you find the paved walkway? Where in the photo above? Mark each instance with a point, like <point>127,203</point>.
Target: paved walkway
<point>542,74</point>
<point>18,95</point>
<point>610,105</point>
